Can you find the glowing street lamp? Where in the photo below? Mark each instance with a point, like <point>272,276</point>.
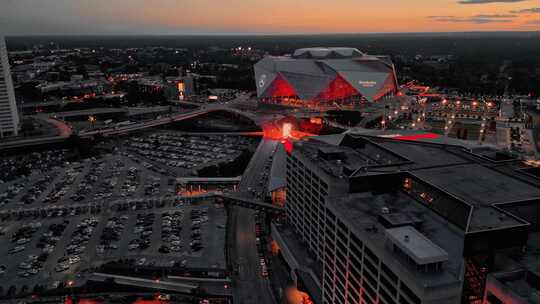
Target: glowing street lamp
<point>92,119</point>
<point>287,130</point>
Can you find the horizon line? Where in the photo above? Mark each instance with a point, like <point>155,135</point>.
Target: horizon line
<point>270,34</point>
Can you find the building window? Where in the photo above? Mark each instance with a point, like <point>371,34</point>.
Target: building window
<point>391,275</point>
<point>409,293</point>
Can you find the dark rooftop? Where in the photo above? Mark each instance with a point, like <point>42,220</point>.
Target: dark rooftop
<point>362,212</point>
<point>471,181</point>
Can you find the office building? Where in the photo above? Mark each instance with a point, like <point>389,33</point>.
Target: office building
<point>399,221</point>
<point>9,117</point>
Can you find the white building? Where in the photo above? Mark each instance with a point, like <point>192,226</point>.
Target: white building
<point>9,118</point>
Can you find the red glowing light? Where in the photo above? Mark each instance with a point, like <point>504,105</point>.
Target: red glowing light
<point>388,86</point>
<point>417,136</point>
<point>287,130</point>
<point>316,120</point>
<point>88,301</point>
<point>288,146</point>
<point>155,301</point>
<point>280,87</point>
<point>337,89</point>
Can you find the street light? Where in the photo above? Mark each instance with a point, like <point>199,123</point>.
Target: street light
<point>92,119</point>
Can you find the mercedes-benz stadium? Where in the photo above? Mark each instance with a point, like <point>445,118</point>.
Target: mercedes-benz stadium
<point>325,77</point>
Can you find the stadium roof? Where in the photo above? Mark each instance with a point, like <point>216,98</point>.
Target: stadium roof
<point>323,52</point>
<point>325,74</point>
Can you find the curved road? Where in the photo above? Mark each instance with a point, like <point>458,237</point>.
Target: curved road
<point>64,129</point>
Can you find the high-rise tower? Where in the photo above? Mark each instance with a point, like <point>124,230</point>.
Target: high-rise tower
<point>9,118</point>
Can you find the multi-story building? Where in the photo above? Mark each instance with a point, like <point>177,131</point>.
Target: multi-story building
<point>9,117</point>
<point>396,221</point>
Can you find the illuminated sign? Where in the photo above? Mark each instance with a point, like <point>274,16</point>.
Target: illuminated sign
<point>181,90</point>
<point>262,80</point>
<point>367,83</point>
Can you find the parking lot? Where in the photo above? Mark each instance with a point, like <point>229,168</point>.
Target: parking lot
<point>108,177</point>
<point>62,220</point>
<point>151,232</point>
<point>182,154</point>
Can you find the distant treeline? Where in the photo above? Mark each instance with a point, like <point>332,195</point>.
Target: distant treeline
<point>392,44</point>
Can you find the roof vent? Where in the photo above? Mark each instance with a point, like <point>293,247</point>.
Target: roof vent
<point>406,238</point>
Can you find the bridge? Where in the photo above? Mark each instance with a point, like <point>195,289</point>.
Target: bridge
<point>143,282</point>
<point>118,130</point>
<point>232,198</point>
<point>65,131</point>
<point>239,200</point>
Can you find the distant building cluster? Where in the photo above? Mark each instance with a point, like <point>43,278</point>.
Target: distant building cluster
<point>48,74</point>
<point>173,88</point>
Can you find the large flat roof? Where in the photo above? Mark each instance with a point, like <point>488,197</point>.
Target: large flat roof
<point>477,184</point>
<point>455,175</point>
<point>361,211</point>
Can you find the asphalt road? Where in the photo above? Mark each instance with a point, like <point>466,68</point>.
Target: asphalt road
<point>250,286</point>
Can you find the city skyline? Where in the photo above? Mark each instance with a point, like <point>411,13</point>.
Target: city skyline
<point>259,17</point>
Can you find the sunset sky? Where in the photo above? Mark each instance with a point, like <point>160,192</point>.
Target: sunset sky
<point>264,17</point>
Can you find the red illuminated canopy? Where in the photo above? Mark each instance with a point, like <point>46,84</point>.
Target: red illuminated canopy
<point>417,136</point>
<point>337,89</point>
<point>280,87</point>
<point>388,86</point>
